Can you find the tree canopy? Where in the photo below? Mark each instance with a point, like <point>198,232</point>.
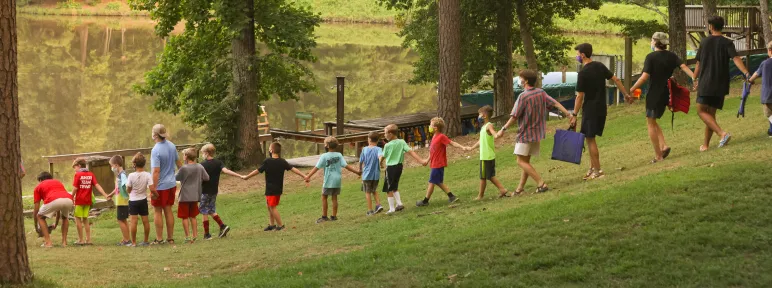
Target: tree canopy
<point>193,77</point>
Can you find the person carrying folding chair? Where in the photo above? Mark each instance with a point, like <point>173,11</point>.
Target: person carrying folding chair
<point>657,69</point>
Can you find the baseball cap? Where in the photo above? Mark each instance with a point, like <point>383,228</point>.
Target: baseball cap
<point>160,130</point>
<point>661,37</point>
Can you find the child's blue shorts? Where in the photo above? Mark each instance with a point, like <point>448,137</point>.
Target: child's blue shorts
<point>437,176</point>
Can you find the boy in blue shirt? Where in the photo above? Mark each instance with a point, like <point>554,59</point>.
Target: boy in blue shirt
<point>369,165</point>
<point>332,162</point>
<point>765,71</point>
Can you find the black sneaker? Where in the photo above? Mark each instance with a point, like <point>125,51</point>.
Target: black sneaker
<point>769,132</point>
<point>280,228</point>
<point>323,219</point>
<point>334,218</point>
<point>452,199</point>
<point>399,208</point>
<point>370,213</point>
<point>421,203</point>
<point>224,231</point>
<point>269,228</point>
<point>378,209</point>
<point>207,236</point>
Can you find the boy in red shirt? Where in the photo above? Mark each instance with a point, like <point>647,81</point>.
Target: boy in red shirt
<point>83,184</point>
<point>56,200</point>
<point>438,159</point>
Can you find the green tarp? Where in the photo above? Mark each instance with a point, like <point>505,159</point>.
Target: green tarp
<point>557,91</point>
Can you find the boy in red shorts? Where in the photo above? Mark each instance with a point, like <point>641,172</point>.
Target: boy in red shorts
<point>274,168</point>
<point>191,177</point>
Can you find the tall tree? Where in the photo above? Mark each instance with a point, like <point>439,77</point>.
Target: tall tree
<point>449,107</point>
<point>14,264</point>
<point>708,10</point>
<point>504,92</point>
<point>677,30</point>
<point>213,73</point>
<point>764,12</point>
<point>526,36</point>
<point>245,84</point>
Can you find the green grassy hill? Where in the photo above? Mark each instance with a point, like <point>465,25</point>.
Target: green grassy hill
<point>353,11</point>
<point>694,220</point>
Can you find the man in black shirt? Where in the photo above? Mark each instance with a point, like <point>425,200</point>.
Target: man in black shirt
<point>591,94</point>
<point>209,190</point>
<point>712,70</point>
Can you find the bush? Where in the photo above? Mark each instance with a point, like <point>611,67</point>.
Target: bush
<point>92,2</point>
<point>113,6</point>
<point>69,4</point>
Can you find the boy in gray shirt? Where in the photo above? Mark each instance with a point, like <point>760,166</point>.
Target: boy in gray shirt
<point>191,176</point>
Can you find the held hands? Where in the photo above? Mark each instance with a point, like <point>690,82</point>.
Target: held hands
<point>425,162</point>
<point>500,133</point>
<point>572,120</point>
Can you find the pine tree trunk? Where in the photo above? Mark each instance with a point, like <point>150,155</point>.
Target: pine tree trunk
<point>677,31</point>
<point>450,66</point>
<point>708,9</point>
<point>14,264</point>
<point>764,9</point>
<point>525,35</point>
<point>245,82</point>
<point>504,92</point>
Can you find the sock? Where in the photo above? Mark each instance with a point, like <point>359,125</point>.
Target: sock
<point>450,194</point>
<point>426,200</point>
<point>218,220</point>
<point>396,197</point>
<point>206,227</point>
<point>391,204</point>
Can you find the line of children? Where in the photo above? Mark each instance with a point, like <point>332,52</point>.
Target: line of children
<point>191,176</point>
<point>274,169</point>
<point>139,183</point>
<point>82,194</point>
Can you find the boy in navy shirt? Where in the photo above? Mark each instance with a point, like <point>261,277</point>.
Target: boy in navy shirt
<point>765,72</point>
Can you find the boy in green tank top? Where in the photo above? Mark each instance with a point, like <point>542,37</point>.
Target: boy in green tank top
<point>487,152</point>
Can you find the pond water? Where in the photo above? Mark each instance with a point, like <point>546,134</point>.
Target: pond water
<point>76,76</point>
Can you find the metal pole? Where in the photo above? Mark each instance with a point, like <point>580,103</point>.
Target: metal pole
<point>341,86</point>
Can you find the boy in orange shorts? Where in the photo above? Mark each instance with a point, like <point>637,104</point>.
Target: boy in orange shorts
<point>191,177</point>
<point>274,168</point>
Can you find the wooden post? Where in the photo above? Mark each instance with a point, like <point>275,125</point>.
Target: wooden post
<point>51,168</point>
<point>341,86</point>
<point>628,62</point>
<point>313,122</point>
<point>297,124</point>
<point>749,37</point>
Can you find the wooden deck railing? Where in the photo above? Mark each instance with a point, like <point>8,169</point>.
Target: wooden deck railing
<point>736,19</point>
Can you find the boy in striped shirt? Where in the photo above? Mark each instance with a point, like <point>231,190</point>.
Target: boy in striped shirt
<point>530,111</point>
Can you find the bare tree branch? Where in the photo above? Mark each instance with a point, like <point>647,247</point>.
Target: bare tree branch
<point>651,6</point>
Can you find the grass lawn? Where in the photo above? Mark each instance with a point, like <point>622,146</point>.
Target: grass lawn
<point>695,220</point>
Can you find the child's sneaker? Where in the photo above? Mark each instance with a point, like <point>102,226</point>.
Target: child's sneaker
<point>280,228</point>
<point>769,132</point>
<point>207,236</point>
<point>190,240</point>
<point>334,218</point>
<point>269,228</point>
<point>399,208</point>
<point>391,212</point>
<point>370,213</point>
<point>124,243</point>
<point>379,208</point>
<point>224,231</point>
<point>452,199</point>
<point>421,203</point>
<point>323,219</point>
<point>143,244</point>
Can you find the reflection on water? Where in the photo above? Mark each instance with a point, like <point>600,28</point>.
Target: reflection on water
<point>76,74</point>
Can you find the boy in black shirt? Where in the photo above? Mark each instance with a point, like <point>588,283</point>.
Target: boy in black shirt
<point>274,168</point>
<point>210,189</point>
<point>591,94</point>
<point>712,70</point>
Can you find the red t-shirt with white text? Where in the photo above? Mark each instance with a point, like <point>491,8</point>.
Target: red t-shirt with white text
<point>50,190</point>
<point>84,183</point>
<point>437,150</point>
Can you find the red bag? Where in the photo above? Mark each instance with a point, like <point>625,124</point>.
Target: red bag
<point>679,99</point>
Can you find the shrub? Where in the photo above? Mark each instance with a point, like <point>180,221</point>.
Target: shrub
<point>92,2</point>
<point>69,4</point>
<point>113,6</point>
